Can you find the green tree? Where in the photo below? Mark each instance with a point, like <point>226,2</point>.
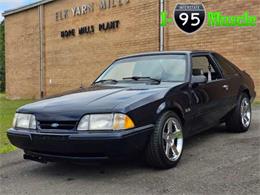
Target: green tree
<point>2,57</point>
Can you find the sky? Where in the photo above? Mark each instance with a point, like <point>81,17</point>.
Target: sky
<point>11,4</point>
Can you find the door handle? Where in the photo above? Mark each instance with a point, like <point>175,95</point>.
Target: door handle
<point>226,87</point>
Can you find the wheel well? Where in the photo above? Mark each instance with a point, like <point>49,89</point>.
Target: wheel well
<point>246,91</point>
<point>179,113</point>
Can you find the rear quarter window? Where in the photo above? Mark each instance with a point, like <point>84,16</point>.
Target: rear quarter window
<point>226,66</point>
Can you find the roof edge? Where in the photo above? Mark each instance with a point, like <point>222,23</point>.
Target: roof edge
<point>26,7</point>
<point>164,52</point>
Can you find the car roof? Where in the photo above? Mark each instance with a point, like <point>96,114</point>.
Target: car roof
<point>165,52</point>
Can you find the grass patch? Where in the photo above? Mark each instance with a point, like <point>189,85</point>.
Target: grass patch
<point>256,103</point>
<point>7,111</point>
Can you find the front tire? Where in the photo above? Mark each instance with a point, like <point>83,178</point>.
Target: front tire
<point>165,147</point>
<point>239,119</point>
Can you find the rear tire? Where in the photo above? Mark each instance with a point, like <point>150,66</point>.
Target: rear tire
<point>239,119</point>
<point>164,149</point>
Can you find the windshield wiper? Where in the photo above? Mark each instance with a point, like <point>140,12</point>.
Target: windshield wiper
<point>137,78</point>
<point>107,81</point>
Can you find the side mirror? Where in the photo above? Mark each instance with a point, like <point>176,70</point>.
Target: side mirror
<point>199,79</point>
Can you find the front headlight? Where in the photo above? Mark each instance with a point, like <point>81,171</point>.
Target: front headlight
<point>25,121</point>
<point>105,122</point>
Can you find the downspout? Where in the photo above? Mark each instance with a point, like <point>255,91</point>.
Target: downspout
<point>162,2</point>
<point>41,34</point>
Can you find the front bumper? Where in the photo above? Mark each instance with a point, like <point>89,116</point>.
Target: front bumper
<point>81,146</point>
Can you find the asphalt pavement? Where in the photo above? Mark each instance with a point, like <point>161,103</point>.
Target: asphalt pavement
<point>214,162</point>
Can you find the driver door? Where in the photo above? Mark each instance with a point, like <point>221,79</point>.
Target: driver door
<point>208,99</point>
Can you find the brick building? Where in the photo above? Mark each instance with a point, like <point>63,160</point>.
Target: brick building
<point>58,45</point>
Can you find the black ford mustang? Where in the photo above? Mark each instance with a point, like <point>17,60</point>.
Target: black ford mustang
<point>146,103</point>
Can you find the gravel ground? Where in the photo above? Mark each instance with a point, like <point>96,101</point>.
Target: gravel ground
<point>214,162</point>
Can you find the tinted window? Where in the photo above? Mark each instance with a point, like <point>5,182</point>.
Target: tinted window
<point>203,65</point>
<point>226,66</point>
<point>163,67</point>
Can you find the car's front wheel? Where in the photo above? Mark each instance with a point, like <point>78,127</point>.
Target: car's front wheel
<point>165,147</point>
<point>240,118</point>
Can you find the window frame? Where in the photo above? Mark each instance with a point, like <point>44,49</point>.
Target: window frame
<point>211,60</point>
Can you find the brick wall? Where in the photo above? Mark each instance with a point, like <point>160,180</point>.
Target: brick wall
<point>22,55</point>
<point>239,45</point>
<point>79,60</point>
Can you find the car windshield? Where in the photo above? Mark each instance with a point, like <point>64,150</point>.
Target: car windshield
<point>154,68</point>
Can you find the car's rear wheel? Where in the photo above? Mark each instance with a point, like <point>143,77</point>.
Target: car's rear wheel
<point>165,147</point>
<point>239,119</point>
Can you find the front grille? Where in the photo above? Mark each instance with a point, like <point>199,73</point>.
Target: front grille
<point>63,125</point>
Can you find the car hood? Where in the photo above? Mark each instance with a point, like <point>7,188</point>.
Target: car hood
<point>96,99</point>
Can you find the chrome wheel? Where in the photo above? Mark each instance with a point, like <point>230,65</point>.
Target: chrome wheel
<point>245,112</point>
<point>173,139</point>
